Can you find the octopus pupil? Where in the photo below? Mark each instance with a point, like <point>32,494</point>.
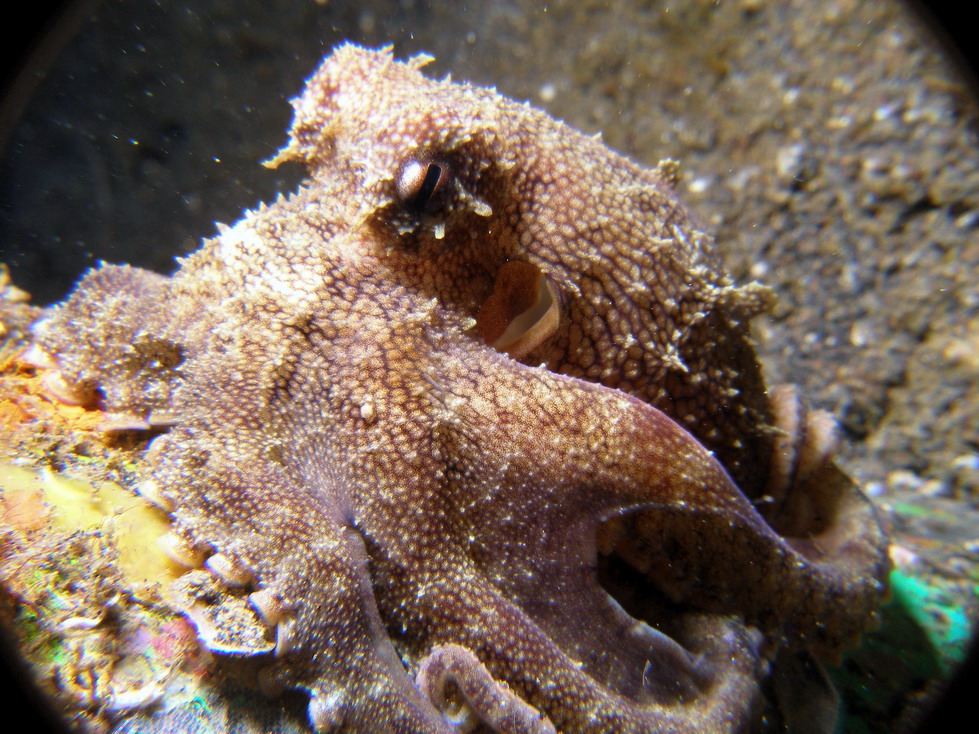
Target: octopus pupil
<point>434,175</point>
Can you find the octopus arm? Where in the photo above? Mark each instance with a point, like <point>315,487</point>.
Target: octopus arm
<point>578,454</point>
<point>310,568</point>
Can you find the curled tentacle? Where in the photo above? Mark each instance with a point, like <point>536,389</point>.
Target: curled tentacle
<point>484,700</point>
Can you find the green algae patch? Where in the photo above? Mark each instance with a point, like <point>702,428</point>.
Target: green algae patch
<point>923,637</point>
<point>944,622</point>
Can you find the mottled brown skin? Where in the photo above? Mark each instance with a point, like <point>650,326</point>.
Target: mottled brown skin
<point>397,495</point>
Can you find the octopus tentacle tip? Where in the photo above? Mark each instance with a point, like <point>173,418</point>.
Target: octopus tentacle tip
<point>285,637</point>
<point>482,699</point>
<point>269,605</point>
<point>477,382</point>
<point>122,423</point>
<point>162,419</point>
<point>149,489</point>
<point>36,358</point>
<point>229,571</point>
<point>182,552</point>
<point>58,388</point>
<point>326,711</point>
<point>821,442</point>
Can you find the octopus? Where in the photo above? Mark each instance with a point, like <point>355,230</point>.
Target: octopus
<point>469,431</point>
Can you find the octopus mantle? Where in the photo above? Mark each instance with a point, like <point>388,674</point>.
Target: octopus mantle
<point>425,413</point>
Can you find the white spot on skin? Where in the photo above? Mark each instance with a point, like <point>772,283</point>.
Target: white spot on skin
<point>367,412</point>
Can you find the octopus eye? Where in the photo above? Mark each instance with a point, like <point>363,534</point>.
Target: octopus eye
<point>423,184</point>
